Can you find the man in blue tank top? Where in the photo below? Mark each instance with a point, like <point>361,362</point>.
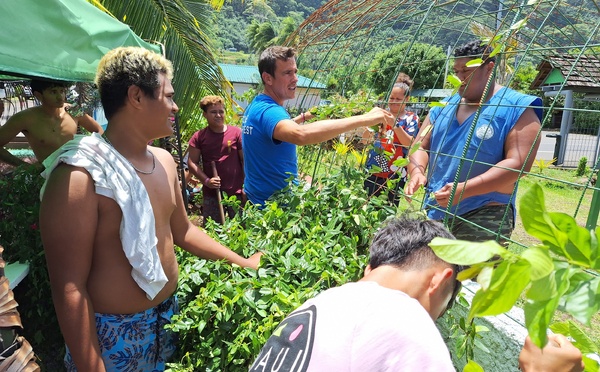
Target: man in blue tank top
<point>270,136</point>
<point>475,149</point>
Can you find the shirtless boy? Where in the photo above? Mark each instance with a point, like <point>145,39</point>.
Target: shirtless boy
<point>112,314</point>
<point>47,126</point>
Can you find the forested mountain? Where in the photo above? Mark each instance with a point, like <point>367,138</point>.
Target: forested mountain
<point>233,21</point>
<point>360,44</point>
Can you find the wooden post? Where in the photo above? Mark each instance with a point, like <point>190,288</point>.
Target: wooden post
<point>221,211</point>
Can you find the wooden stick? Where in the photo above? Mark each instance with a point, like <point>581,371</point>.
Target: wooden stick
<point>221,211</point>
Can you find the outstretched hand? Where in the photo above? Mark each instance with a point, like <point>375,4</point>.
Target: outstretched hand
<point>559,355</point>
<point>416,181</point>
<point>385,116</point>
<point>254,260</point>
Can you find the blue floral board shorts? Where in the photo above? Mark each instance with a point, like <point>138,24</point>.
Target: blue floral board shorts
<point>135,342</point>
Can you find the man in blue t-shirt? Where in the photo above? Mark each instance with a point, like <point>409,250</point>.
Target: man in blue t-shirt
<point>475,148</point>
<point>270,136</point>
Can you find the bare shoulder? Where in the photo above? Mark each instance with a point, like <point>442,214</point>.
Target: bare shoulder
<point>526,128</point>
<point>161,154</point>
<point>24,118</point>
<point>164,157</point>
<point>68,185</point>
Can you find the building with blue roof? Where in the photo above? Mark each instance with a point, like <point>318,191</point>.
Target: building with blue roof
<point>242,78</point>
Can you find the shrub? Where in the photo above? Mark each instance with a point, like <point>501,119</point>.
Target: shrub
<point>581,167</point>
<point>20,236</point>
<point>319,240</point>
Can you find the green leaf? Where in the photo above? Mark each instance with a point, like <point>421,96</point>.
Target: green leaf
<point>454,81</point>
<point>542,289</point>
<point>584,300</point>
<point>537,317</point>
<point>401,162</point>
<point>481,328</point>
<point>519,24</point>
<point>480,345</point>
<point>538,314</point>
<point>414,147</point>
<point>578,246</point>
<point>595,249</point>
<point>485,277</point>
<point>476,62</point>
<point>462,252</point>
<point>591,365</point>
<point>536,221</point>
<point>470,272</point>
<point>496,50</point>
<point>580,338</point>
<point>472,366</point>
<point>540,261</point>
<point>438,104</point>
<point>508,282</point>
<point>429,127</point>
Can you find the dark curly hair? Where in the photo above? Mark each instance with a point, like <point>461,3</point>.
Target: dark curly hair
<point>40,85</point>
<point>475,49</point>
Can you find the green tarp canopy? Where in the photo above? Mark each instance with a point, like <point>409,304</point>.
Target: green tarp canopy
<point>59,39</point>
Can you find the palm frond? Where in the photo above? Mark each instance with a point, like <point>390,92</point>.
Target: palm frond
<point>180,26</point>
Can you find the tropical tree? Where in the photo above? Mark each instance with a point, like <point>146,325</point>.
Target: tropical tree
<point>182,27</point>
<point>261,35</point>
<point>260,10</point>
<point>523,77</point>
<point>288,25</point>
<point>424,63</point>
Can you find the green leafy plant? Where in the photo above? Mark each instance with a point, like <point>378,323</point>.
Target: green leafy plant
<point>20,236</point>
<point>553,275</point>
<point>581,167</point>
<point>543,164</point>
<point>317,241</point>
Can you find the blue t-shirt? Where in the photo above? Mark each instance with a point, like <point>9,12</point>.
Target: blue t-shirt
<point>268,163</point>
<point>486,148</point>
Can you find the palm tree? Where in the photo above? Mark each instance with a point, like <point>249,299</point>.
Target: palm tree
<point>182,27</point>
<point>261,35</point>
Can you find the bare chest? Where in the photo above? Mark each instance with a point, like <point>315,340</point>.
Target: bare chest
<point>51,131</point>
<point>162,195</point>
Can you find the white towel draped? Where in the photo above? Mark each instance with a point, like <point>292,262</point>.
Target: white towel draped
<point>115,178</point>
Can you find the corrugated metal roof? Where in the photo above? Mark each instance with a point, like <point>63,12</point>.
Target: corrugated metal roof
<point>249,75</point>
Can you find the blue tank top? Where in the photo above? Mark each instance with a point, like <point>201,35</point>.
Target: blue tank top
<point>486,148</point>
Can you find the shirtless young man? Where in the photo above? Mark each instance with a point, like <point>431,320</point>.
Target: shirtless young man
<point>108,321</point>
<point>47,126</point>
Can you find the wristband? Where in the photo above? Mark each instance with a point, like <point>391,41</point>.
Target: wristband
<point>303,119</point>
<point>206,180</point>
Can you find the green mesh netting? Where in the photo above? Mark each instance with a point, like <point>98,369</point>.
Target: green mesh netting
<point>547,48</point>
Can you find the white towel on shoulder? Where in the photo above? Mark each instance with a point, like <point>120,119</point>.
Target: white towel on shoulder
<point>115,178</point>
